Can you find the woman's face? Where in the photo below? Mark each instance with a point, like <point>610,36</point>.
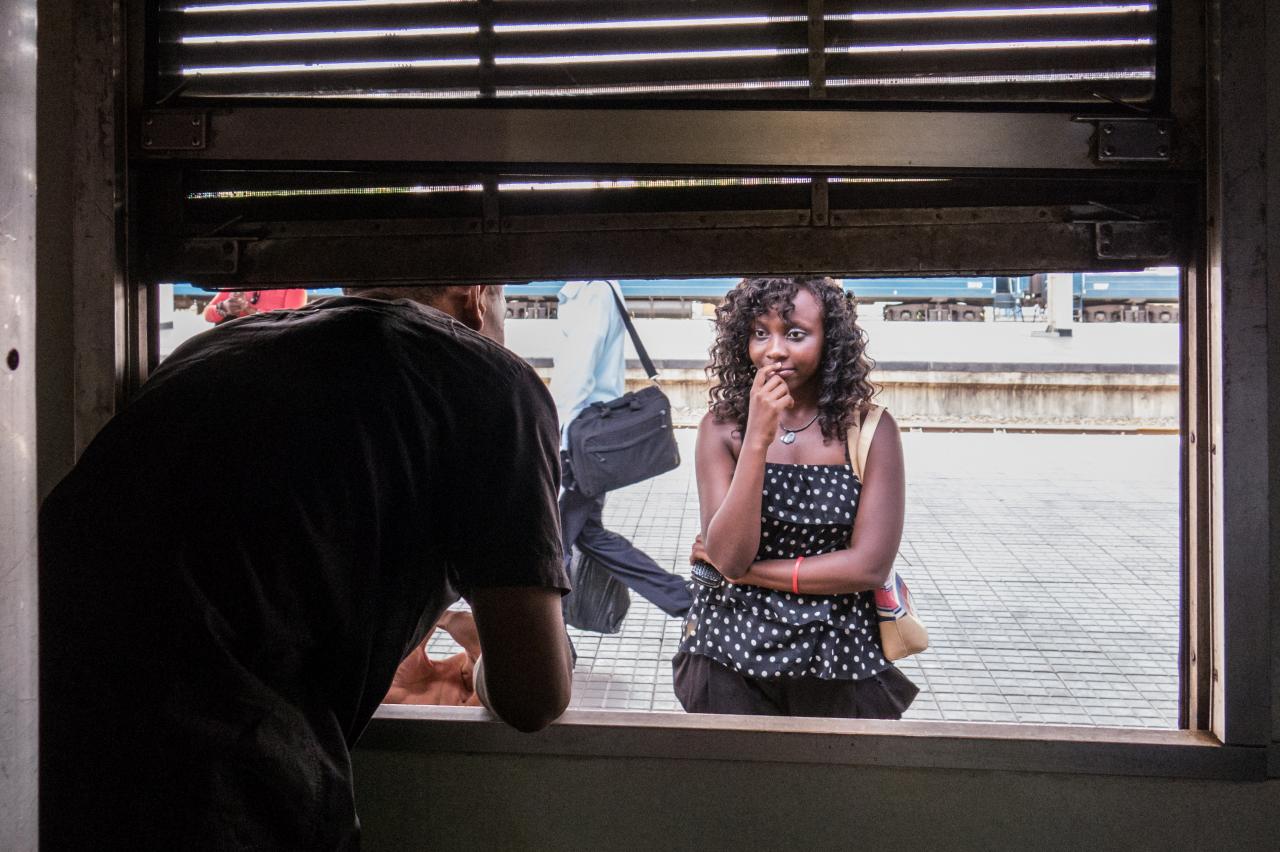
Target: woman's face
<point>793,344</point>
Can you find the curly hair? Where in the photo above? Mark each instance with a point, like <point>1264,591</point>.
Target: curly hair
<point>845,387</point>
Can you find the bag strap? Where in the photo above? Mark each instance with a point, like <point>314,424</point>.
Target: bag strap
<point>859,439</point>
<point>645,361</point>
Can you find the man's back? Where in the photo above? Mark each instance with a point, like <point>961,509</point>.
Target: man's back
<point>245,554</point>
<point>590,359</point>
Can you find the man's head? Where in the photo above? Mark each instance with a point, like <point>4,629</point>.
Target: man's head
<point>482,307</point>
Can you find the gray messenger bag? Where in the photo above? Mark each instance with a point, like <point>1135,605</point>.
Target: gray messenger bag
<point>626,440</point>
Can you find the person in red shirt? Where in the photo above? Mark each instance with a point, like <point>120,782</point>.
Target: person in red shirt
<point>421,679</point>
<point>230,305</point>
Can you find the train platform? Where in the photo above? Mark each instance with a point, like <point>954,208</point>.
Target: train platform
<point>1045,566</point>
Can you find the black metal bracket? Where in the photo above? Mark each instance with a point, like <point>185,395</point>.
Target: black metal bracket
<point>1131,240</point>
<point>1131,139</point>
<point>209,256</point>
<point>174,130</point>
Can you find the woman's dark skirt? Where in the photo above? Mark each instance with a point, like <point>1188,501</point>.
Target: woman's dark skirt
<point>705,686</point>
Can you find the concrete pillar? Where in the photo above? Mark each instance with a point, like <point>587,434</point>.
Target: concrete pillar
<point>18,688</point>
<point>1059,304</point>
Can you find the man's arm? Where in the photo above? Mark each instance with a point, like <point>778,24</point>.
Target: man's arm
<point>525,673</point>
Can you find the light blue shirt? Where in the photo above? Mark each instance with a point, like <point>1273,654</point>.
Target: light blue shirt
<point>590,354</point>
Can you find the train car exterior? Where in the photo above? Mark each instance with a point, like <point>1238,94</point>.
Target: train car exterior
<point>1148,296</point>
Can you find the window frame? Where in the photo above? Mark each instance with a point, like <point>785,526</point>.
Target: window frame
<point>1225,671</point>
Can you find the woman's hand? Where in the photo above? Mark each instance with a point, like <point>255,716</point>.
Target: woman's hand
<point>699,552</point>
<point>770,397</point>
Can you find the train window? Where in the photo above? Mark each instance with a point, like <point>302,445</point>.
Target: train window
<point>1040,418</point>
<point>1028,263</point>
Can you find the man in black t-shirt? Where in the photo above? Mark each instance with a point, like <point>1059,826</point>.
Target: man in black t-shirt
<point>202,683</point>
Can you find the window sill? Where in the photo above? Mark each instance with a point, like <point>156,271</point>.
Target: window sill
<point>932,745</point>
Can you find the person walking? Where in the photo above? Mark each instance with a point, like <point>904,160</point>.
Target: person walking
<point>590,367</point>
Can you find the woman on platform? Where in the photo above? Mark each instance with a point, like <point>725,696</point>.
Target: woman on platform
<point>799,539</point>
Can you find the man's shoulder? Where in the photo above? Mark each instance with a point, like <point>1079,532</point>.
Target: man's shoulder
<point>596,291</point>
<point>344,338</point>
<point>406,323</point>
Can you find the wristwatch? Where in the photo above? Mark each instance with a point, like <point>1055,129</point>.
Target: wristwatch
<point>705,574</point>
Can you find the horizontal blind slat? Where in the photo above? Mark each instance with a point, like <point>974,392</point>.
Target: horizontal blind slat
<point>449,82</point>
<point>590,10</point>
<point>552,44</point>
<point>932,8</point>
<point>946,63</point>
<point>761,71</point>
<point>206,26</point>
<point>340,52</point>
<point>899,32</point>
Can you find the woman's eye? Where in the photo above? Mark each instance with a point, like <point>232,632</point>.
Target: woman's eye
<point>759,333</point>
<point>795,334</point>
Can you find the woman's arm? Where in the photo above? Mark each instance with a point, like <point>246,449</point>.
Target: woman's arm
<point>211,312</point>
<point>877,531</point>
<point>729,490</point>
<point>728,497</point>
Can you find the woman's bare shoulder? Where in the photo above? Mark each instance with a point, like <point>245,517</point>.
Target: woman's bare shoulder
<point>721,433</point>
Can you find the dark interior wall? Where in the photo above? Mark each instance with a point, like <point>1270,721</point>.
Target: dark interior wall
<point>1271,70</point>
<point>464,801</point>
<point>54,225</point>
<point>79,260</point>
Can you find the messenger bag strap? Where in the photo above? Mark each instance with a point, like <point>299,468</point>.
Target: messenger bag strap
<point>645,361</point>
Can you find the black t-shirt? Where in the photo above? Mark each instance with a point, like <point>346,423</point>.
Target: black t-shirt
<point>242,557</point>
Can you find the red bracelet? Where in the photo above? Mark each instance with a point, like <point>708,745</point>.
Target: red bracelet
<point>795,576</point>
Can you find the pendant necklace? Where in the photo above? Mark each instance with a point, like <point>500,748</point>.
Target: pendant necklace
<point>789,435</point>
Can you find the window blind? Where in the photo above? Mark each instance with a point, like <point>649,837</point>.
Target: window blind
<point>659,50</point>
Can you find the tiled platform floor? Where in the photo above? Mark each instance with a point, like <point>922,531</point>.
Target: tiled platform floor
<point>1046,567</point>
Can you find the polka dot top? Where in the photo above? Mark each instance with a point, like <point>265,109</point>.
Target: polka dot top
<point>807,510</point>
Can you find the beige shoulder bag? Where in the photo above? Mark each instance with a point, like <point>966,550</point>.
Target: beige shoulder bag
<point>902,633</point>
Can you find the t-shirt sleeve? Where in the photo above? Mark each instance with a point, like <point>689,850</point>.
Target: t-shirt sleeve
<point>504,522</point>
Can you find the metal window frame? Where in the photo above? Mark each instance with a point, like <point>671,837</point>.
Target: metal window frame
<point>1226,667</point>
<point>1238,373</point>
